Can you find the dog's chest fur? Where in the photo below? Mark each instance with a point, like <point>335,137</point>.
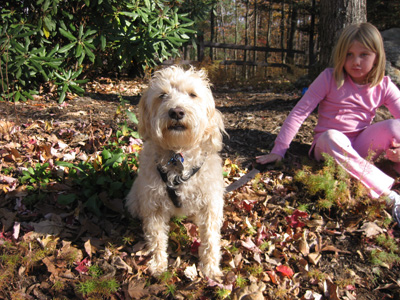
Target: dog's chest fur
<point>194,167</point>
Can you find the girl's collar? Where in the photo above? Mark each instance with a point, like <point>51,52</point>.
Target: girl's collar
<point>357,85</point>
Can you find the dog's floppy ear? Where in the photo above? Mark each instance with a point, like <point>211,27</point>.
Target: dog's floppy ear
<point>144,118</point>
<point>215,130</point>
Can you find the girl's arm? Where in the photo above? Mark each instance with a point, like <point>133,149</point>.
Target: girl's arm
<point>392,98</point>
<point>316,93</point>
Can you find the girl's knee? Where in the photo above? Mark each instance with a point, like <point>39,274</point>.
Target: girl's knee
<point>333,136</point>
<point>331,142</point>
<point>394,127</point>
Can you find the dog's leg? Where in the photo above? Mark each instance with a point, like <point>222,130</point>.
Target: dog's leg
<point>209,223</point>
<point>156,228</point>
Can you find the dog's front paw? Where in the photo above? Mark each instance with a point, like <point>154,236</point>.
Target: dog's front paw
<point>158,263</point>
<point>211,270</point>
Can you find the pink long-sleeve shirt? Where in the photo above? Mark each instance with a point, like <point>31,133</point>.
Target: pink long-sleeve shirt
<point>349,109</point>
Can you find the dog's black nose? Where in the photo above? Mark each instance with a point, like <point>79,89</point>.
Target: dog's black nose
<point>176,113</point>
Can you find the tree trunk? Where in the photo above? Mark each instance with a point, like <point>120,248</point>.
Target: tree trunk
<point>268,37</point>
<point>311,54</point>
<point>290,40</point>
<point>212,31</point>
<point>246,39</point>
<point>282,28</point>
<point>334,16</point>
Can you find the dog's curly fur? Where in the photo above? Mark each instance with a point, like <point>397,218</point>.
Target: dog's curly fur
<point>177,115</point>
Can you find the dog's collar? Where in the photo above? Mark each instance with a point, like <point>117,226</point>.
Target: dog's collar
<point>177,160</point>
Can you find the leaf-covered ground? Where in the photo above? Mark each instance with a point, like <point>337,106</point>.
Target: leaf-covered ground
<point>65,234</point>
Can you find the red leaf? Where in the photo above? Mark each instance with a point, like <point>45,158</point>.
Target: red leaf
<point>248,205</point>
<point>83,266</point>
<point>195,247</point>
<point>294,221</point>
<point>285,270</point>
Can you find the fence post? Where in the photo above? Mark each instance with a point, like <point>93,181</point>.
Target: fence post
<point>200,48</point>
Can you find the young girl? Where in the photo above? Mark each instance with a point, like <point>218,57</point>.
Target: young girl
<point>348,96</point>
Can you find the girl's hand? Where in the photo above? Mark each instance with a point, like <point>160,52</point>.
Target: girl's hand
<point>393,154</point>
<point>269,158</point>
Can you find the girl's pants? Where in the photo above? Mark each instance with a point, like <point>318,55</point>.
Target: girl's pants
<point>351,153</point>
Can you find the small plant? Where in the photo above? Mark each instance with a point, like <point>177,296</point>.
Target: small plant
<point>109,173</point>
<point>251,230</point>
<point>383,258</point>
<point>167,276</point>
<point>265,245</point>
<point>348,279</point>
<point>255,270</point>
<point>304,207</point>
<point>178,233</point>
<point>39,175</point>
<point>331,184</point>
<point>171,289</point>
<point>97,286</point>
<point>241,281</point>
<point>316,275</point>
<point>222,293</point>
<point>95,271</point>
<point>58,286</point>
<point>68,83</point>
<point>233,249</point>
<point>387,242</point>
<point>388,256</point>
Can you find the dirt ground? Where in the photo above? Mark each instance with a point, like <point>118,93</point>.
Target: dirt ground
<point>252,120</point>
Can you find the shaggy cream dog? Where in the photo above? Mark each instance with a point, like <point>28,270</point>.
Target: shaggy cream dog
<point>180,169</point>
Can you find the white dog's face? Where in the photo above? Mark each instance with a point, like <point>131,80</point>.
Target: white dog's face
<point>178,110</point>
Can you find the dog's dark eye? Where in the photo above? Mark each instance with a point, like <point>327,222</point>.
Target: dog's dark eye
<point>163,95</point>
<point>193,95</point>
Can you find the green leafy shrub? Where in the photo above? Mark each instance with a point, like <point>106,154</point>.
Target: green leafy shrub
<point>52,44</point>
<point>109,175</point>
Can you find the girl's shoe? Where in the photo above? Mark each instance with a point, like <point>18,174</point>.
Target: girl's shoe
<point>395,201</point>
<point>396,213</point>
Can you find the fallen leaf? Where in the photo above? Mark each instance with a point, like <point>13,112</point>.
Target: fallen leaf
<point>50,266</point>
<point>334,249</point>
<point>272,276</point>
<point>83,266</point>
<point>195,246</point>
<point>88,248</point>
<point>314,258</point>
<point>331,290</point>
<point>370,229</point>
<point>285,271</point>
<point>48,227</point>
<point>249,204</point>
<point>212,283</point>
<point>120,264</point>
<point>136,289</point>
<point>311,295</point>
<point>294,220</point>
<point>191,272</point>
<point>17,228</point>
<point>249,245</point>
<point>304,248</point>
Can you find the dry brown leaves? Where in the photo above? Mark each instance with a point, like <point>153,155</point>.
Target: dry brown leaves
<point>271,250</point>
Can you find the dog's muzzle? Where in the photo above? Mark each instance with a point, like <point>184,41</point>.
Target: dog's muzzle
<point>176,114</point>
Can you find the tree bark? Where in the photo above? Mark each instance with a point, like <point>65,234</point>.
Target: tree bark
<point>334,16</point>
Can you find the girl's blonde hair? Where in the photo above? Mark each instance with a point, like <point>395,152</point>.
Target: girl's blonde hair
<point>369,36</point>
